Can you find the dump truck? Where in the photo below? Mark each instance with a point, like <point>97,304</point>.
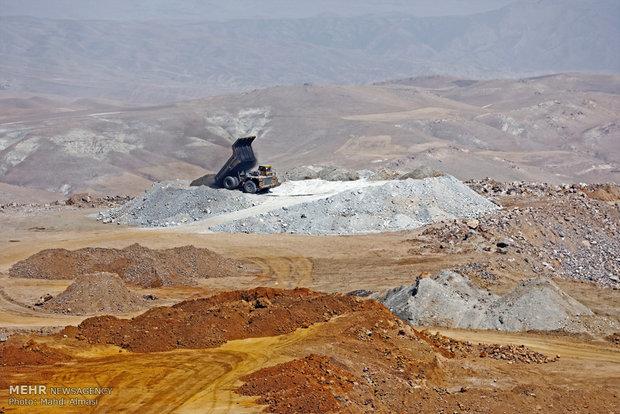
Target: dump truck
<point>238,172</point>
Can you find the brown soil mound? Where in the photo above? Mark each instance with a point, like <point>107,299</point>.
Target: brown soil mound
<point>136,264</point>
<point>95,293</point>
<point>314,384</point>
<point>13,353</point>
<point>209,322</point>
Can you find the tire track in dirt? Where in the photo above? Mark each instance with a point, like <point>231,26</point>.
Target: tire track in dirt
<point>287,271</point>
<point>204,380</point>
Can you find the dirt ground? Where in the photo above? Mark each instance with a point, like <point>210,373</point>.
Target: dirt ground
<point>586,378</point>
<point>323,263</point>
<point>381,366</point>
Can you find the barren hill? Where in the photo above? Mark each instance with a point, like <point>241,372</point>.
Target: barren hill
<point>560,128</point>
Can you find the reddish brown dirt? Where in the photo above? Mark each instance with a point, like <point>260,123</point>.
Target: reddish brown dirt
<point>614,338</point>
<point>604,192</point>
<point>14,352</point>
<point>361,360</point>
<point>96,293</point>
<point>314,384</point>
<point>86,200</point>
<point>447,347</point>
<point>209,322</point>
<point>136,264</point>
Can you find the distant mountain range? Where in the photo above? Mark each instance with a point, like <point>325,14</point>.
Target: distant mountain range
<point>148,62</point>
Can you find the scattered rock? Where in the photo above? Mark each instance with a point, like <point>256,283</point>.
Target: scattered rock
<point>41,301</point>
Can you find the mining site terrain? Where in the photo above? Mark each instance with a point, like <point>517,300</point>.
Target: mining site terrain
<point>437,244</point>
<point>443,235</point>
<point>340,291</point>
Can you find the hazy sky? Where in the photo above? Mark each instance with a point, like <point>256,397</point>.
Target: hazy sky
<point>232,9</point>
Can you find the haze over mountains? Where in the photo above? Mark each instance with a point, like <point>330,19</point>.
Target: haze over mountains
<point>237,9</point>
<point>183,55</point>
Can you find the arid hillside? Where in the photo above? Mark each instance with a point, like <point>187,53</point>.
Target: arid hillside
<point>560,128</point>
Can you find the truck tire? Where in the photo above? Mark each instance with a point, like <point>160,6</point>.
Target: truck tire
<point>249,187</point>
<point>230,183</point>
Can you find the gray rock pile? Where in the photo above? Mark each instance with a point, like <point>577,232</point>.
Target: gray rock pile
<point>569,230</point>
<point>393,206</point>
<point>172,203</point>
<point>451,300</point>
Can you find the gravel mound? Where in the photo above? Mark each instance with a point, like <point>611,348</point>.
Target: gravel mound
<point>95,293</point>
<point>172,203</point>
<point>135,264</point>
<point>393,206</point>
<point>452,300</point>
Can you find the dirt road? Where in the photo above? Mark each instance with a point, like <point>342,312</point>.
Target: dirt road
<point>183,381</point>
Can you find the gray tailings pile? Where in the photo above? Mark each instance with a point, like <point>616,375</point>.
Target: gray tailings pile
<point>393,206</point>
<point>173,203</point>
<point>306,207</point>
<point>451,300</point>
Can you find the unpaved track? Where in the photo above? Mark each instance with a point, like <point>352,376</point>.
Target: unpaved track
<point>286,272</point>
<point>564,346</point>
<point>202,380</point>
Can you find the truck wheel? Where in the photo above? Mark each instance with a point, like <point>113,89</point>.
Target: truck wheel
<point>249,187</point>
<point>230,183</point>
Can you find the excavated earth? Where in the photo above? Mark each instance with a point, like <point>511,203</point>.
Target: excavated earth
<point>209,322</point>
<point>342,354</point>
<point>392,206</point>
<point>135,264</point>
<point>175,202</point>
<point>301,351</point>
<point>315,206</point>
<point>95,293</point>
